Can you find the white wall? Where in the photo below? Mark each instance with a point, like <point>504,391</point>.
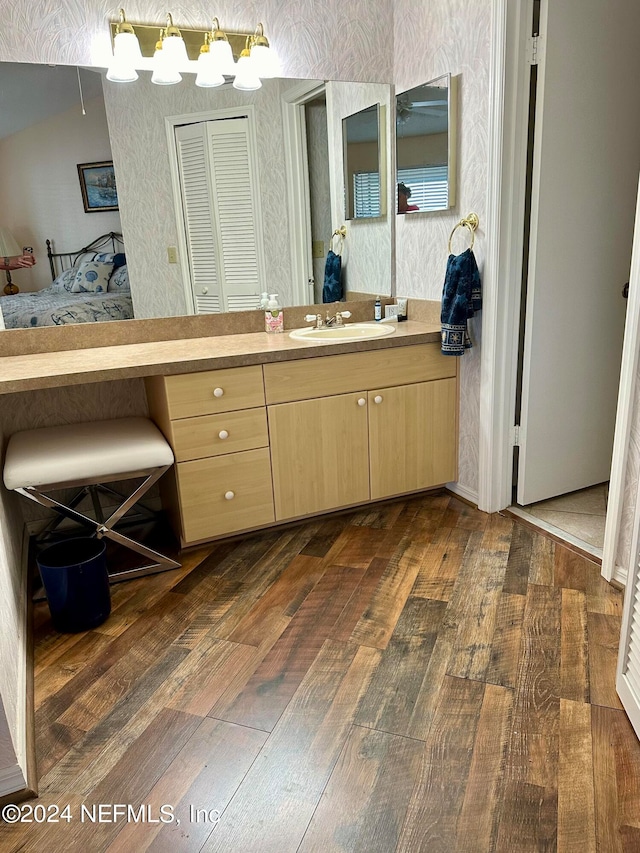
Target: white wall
<point>40,193</point>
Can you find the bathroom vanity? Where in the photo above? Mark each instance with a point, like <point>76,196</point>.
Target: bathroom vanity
<point>266,429</point>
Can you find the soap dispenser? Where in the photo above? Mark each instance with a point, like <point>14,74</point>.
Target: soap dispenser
<point>273,316</point>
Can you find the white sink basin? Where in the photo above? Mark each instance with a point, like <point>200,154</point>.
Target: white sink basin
<point>348,332</point>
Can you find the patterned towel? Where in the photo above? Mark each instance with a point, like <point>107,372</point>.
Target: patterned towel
<point>332,290</point>
<point>461,298</point>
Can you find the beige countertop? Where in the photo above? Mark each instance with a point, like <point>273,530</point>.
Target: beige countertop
<point>125,361</point>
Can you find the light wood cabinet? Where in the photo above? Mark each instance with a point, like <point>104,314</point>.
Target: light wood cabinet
<point>262,444</point>
<point>412,437</point>
<point>216,424</point>
<point>319,454</point>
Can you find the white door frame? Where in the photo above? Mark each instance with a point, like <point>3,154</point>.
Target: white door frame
<point>501,300</point>
<point>298,194</point>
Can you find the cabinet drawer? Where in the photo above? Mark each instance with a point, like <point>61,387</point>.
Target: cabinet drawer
<point>225,494</point>
<point>212,435</point>
<point>212,391</point>
<point>308,378</point>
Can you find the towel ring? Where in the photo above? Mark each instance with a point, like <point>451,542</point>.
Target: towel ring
<point>471,222</point>
<point>341,233</point>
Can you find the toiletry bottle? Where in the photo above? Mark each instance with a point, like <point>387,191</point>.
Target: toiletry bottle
<point>264,301</point>
<point>377,313</point>
<point>273,316</point>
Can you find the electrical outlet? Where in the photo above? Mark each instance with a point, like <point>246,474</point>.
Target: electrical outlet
<point>317,249</point>
<point>391,311</point>
<point>172,254</point>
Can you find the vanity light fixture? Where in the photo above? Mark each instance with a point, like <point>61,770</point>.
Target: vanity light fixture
<point>246,79</point>
<point>126,53</point>
<point>208,54</point>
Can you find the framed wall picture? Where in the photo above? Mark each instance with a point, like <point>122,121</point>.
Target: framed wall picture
<point>98,185</point>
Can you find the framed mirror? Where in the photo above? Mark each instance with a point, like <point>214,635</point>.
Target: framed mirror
<point>426,146</point>
<point>363,141</point>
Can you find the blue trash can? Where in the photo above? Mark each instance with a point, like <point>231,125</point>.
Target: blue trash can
<point>76,580</point>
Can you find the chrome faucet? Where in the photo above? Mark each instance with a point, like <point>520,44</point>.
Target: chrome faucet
<point>337,320</point>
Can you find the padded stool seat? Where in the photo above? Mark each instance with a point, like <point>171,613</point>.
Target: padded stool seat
<point>85,454</point>
<point>93,452</point>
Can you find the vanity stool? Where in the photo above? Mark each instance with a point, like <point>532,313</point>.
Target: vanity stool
<point>77,455</point>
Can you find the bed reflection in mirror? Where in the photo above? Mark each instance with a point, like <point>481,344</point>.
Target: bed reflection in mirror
<point>426,146</point>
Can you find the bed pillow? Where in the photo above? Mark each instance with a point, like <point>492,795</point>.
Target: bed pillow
<point>119,281</point>
<point>118,259</point>
<point>92,277</point>
<point>64,282</point>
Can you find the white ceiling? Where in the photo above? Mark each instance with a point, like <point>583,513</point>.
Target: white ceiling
<point>31,93</point>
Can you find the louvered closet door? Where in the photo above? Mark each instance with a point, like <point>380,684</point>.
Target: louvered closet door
<point>235,203</point>
<point>202,248</point>
<point>628,676</point>
<point>221,214</point>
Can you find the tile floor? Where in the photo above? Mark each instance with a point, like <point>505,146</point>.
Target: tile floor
<point>581,515</point>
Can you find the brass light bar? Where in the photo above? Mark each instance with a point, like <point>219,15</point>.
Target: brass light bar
<point>193,39</point>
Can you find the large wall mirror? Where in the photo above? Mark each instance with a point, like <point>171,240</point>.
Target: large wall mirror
<point>364,138</point>
<point>44,135</point>
<point>426,146</point>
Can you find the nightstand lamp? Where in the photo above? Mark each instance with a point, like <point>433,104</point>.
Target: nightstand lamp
<point>8,248</point>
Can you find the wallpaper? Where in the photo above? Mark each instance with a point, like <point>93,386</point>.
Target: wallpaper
<point>456,39</point>
<point>366,255</point>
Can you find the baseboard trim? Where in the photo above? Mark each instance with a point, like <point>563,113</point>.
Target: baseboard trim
<point>12,781</point>
<point>620,575</point>
<point>463,492</point>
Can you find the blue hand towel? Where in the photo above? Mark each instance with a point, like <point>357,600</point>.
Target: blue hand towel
<point>332,290</point>
<point>461,298</point>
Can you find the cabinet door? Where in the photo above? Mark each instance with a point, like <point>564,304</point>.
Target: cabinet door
<point>225,494</point>
<point>412,437</point>
<point>319,454</point>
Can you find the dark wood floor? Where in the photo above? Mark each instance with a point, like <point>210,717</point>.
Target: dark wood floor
<point>420,677</point>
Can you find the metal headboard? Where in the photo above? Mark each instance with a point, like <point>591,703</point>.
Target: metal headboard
<point>60,261</point>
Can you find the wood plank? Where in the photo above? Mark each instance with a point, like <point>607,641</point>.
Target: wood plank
<point>377,623</point>
<point>483,572</point>
<point>328,532</point>
<point>266,694</point>
<point>390,700</point>
<point>507,640</point>
<point>602,597</point>
<point>358,546</point>
<point>542,560</point>
<point>604,637</point>
<point>366,798</point>
<point>498,533</point>
<point>460,514</point>
<point>359,602</point>
<point>441,563</point>
<point>273,806</point>
<point>574,653</point>
<point>516,577</point>
<point>432,816</point>
<point>571,570</point>
<point>533,750</point>
<point>194,780</point>
<point>279,604</point>
<point>521,827</point>
<point>477,825</point>
<point>576,809</point>
<point>607,809</point>
<point>53,677</point>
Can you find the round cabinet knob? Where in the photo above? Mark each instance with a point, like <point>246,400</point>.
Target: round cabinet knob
<point>229,496</point>
<point>218,392</point>
<point>205,290</point>
<point>377,398</point>
<point>223,434</point>
<point>362,401</point>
